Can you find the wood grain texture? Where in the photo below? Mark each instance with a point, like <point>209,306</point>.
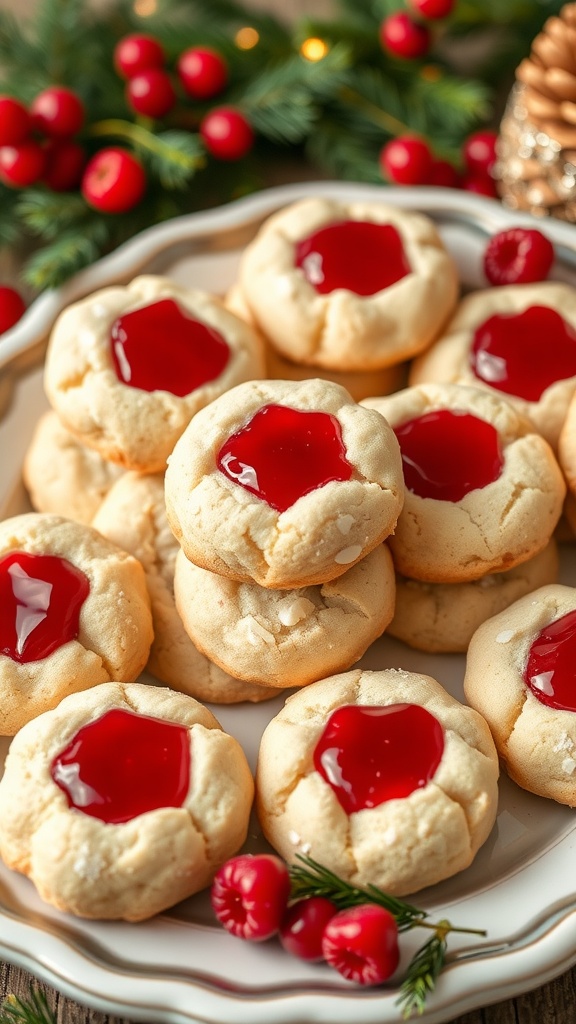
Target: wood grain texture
<point>554,1003</point>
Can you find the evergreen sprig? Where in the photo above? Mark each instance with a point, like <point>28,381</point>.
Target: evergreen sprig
<point>33,1010</point>
<point>309,878</point>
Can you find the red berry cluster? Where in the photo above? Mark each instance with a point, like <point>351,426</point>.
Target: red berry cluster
<point>37,144</point>
<point>250,897</point>
<point>202,74</point>
<point>406,34</point>
<point>12,307</point>
<point>408,160</point>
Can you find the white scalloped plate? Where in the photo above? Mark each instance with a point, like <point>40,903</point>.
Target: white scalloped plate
<point>181,968</point>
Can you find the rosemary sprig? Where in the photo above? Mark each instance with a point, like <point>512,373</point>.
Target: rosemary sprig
<point>309,878</point>
<point>34,1010</point>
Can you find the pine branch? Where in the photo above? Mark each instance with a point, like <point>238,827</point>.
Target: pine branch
<point>421,976</point>
<point>52,264</point>
<point>173,156</point>
<point>47,214</point>
<point>34,1010</point>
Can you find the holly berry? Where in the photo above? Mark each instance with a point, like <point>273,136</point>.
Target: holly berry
<point>226,133</point>
<point>65,160</point>
<point>518,256</point>
<point>203,72</point>
<point>15,121</point>
<point>362,944</point>
<point>482,184</point>
<point>403,37</point>
<point>136,53</point>
<point>11,307</point>
<point>151,93</point>
<point>57,112</point>
<point>433,9</point>
<point>22,165</point>
<point>479,152</point>
<point>303,926</point>
<point>113,181</point>
<point>406,160</point>
<point>249,895</point>
<point>443,173</point>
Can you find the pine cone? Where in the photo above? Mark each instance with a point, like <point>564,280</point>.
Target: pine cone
<point>537,144</point>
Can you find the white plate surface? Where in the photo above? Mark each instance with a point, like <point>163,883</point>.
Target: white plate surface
<point>180,967</point>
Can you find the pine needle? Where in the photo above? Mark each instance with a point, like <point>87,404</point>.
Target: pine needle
<point>33,1010</point>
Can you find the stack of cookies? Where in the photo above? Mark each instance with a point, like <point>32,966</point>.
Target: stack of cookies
<point>281,494</point>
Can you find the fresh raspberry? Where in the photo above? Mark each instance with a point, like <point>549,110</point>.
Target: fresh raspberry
<point>11,307</point>
<point>57,112</point>
<point>113,181</point>
<point>362,944</point>
<point>250,894</point>
<point>406,161</point>
<point>65,160</point>
<point>136,53</point>
<point>15,121</point>
<point>226,133</point>
<point>22,165</point>
<point>151,93</point>
<point>518,256</point>
<point>433,9</point>
<point>403,37</point>
<point>303,926</point>
<point>203,72</point>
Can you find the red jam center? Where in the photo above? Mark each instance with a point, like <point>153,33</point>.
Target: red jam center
<point>123,765</point>
<point>551,668</point>
<point>354,254</point>
<point>522,354</point>
<point>448,453</point>
<point>372,754</point>
<point>282,454</point>
<point>41,597</point>
<point>161,348</point>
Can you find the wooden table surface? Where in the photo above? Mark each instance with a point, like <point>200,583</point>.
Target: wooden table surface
<point>554,1003</point>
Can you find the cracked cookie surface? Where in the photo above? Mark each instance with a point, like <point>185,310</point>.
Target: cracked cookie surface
<point>114,627</point>
<point>138,867</point>
<point>491,528</point>
<point>134,426</point>
<point>402,844</point>
<point>343,330</point>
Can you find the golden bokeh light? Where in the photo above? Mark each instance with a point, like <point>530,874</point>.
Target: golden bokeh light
<point>247,37</point>
<point>314,48</point>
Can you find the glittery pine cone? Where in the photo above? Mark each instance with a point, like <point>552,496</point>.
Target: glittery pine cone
<point>536,168</point>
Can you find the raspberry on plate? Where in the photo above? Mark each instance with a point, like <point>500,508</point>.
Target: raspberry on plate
<point>518,256</point>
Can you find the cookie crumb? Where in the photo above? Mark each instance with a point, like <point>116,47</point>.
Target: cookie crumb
<point>291,612</point>
<point>256,632</point>
<point>345,523</point>
<point>564,743</point>
<point>505,636</point>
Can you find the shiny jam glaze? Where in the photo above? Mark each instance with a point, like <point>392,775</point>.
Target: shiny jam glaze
<point>551,667</point>
<point>522,354</point>
<point>282,454</point>
<point>41,597</point>
<point>124,764</point>
<point>372,754</point>
<point>354,254</point>
<point>448,453</point>
<point>161,348</point>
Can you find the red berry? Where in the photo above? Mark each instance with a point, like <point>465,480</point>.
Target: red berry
<point>136,53</point>
<point>479,152</point>
<point>227,134</point>
<point>303,926</point>
<point>406,161</point>
<point>362,944</point>
<point>57,112</point>
<point>404,37</point>
<point>482,184</point>
<point>151,93</point>
<point>443,173</point>
<point>203,72</point>
<point>11,308</point>
<point>113,181</point>
<point>518,256</point>
<point>433,9</point>
<point>250,894</point>
<point>65,160</point>
<point>22,165</point>
<point>15,122</point>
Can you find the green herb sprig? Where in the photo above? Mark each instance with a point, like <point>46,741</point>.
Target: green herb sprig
<point>309,878</point>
